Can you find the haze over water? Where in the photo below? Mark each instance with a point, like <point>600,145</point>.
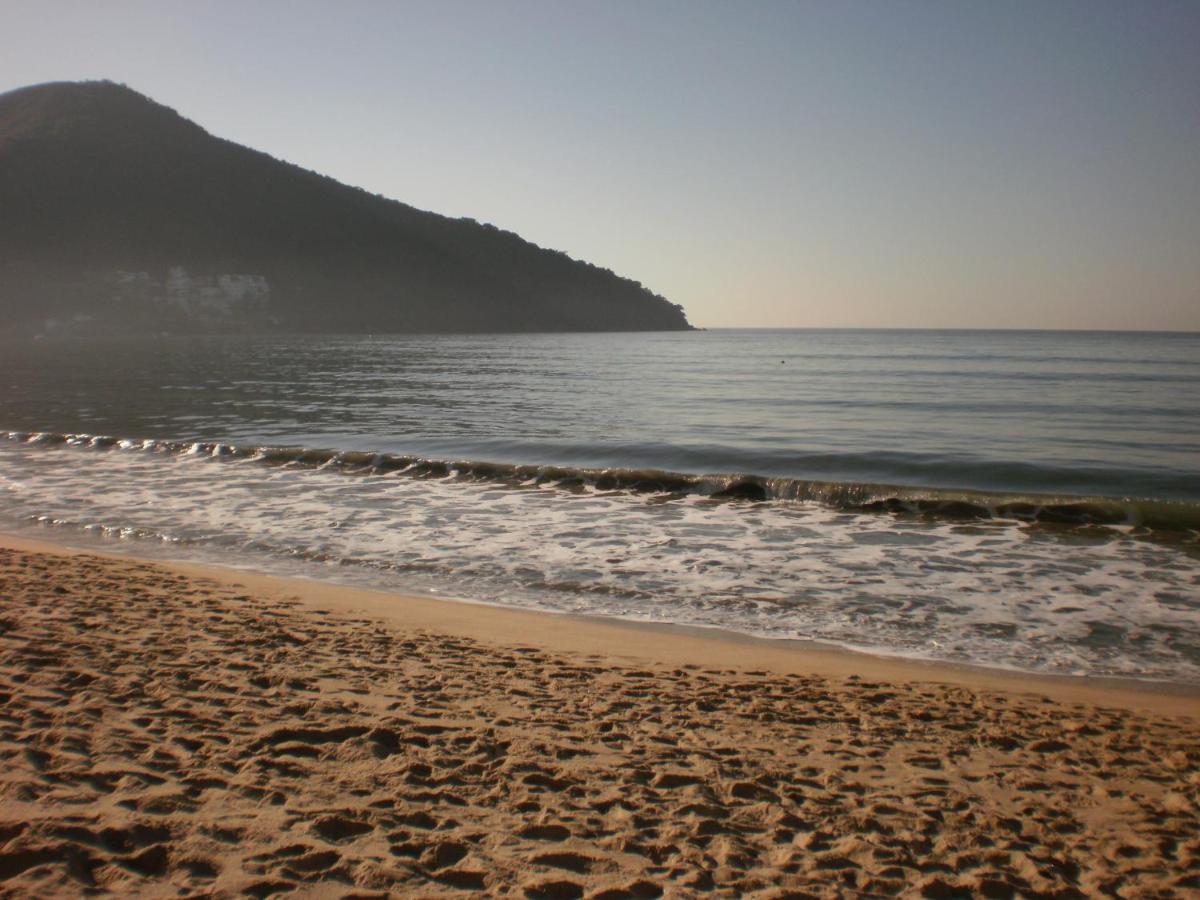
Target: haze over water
<point>919,486</point>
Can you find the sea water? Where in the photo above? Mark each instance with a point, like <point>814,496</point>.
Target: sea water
<point>1028,500</point>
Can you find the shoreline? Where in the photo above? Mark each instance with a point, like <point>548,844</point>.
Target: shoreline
<point>651,642</point>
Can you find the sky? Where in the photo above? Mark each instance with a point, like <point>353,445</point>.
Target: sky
<point>960,164</point>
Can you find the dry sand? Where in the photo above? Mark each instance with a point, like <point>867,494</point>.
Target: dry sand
<point>170,730</point>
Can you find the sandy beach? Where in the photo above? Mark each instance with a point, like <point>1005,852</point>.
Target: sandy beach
<point>172,730</point>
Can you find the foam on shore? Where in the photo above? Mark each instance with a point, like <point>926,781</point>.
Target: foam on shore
<point>1067,598</point>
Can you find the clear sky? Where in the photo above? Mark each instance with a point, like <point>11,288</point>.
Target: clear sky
<point>895,164</point>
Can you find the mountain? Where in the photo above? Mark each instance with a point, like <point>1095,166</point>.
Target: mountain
<point>118,214</point>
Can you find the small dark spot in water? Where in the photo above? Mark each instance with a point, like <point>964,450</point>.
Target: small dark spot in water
<point>1176,601</point>
<point>1102,634</point>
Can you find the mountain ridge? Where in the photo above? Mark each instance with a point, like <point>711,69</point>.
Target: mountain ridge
<point>117,209</point>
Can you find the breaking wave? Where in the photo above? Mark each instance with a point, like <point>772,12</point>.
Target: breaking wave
<point>1164,518</point>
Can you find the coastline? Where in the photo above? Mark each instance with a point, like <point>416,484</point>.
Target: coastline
<point>997,592</point>
<point>183,729</point>
<point>654,643</point>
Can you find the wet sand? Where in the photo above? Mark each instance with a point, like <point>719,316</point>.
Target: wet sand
<point>174,729</point>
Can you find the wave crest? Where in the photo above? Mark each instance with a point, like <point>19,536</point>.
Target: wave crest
<point>1157,516</point>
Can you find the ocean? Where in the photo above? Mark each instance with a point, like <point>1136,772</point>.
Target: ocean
<point>1023,500</point>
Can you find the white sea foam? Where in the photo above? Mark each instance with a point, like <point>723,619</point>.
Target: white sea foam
<point>991,592</point>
